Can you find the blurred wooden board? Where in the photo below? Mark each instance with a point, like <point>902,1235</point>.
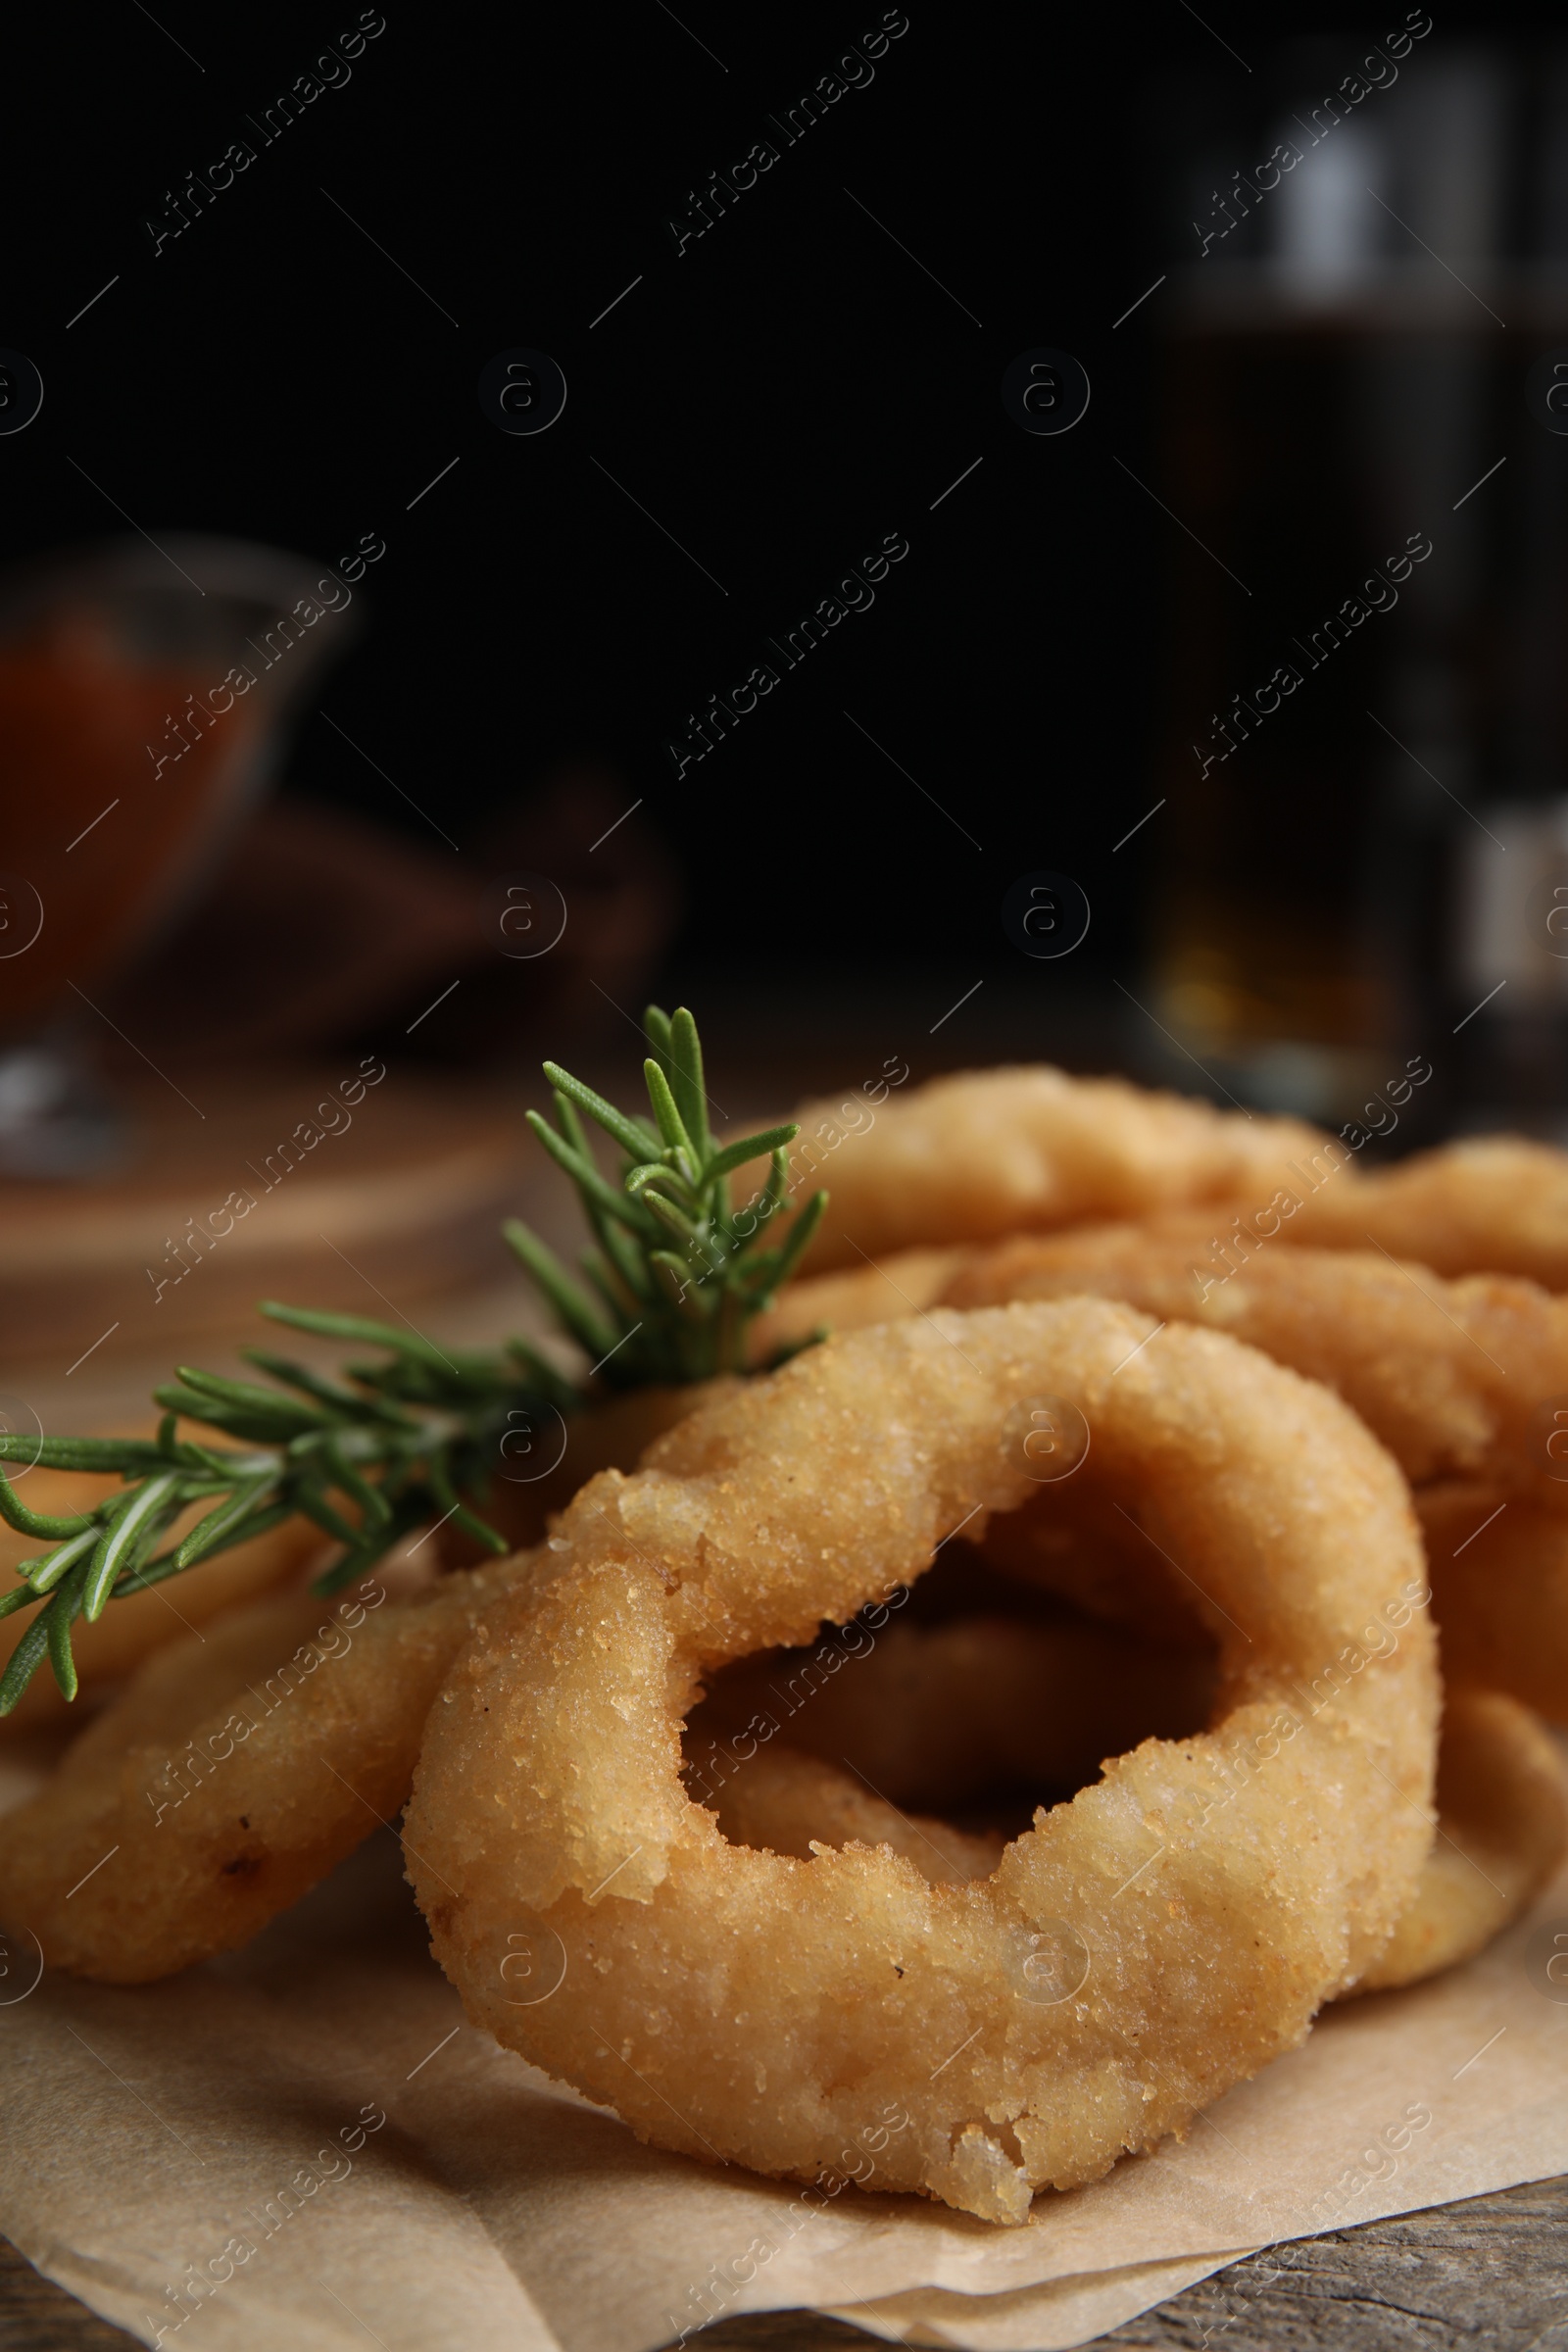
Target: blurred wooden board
<point>401,1191</point>
<point>1492,2271</point>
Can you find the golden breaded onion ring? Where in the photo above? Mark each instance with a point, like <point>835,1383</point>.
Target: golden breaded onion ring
<point>1454,1377</point>
<point>876,1290</point>
<point>1502,1828</point>
<point>232,1775</point>
<point>740,2004</point>
<point>931,1714</point>
<point>1450,1375</point>
<point>987,1153</point>
<point>1487,1205</point>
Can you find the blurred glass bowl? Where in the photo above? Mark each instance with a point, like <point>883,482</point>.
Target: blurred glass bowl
<point>143,696</point>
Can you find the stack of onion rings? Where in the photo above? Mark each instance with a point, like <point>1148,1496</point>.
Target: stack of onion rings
<point>987,1154</point>
<point>760,1956</point>
<point>1450,1375</point>
<point>748,2004</point>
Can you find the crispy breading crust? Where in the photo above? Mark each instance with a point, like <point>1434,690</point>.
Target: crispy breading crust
<point>790,1804</point>
<point>985,1154</point>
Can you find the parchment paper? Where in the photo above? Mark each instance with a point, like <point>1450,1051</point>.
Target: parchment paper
<point>202,2161</point>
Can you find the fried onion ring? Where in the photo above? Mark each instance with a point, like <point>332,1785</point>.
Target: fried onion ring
<point>1502,1805</point>
<point>987,1153</point>
<point>232,1775</point>
<point>904,1284</point>
<point>744,2004</point>
<point>1502,1829</point>
<point>1493,1204</point>
<point>1450,1375</point>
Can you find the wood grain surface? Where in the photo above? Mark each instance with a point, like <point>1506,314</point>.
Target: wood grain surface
<point>1490,2274</point>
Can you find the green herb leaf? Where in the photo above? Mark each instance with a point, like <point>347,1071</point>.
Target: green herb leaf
<point>353,1327</point>
<point>752,1147</point>
<point>685,1063</point>
<point>672,1126</point>
<point>43,1575</point>
<point>656,1028</point>
<point>634,1136</point>
<point>586,1177</point>
<point>214,1531</point>
<point>143,1512</point>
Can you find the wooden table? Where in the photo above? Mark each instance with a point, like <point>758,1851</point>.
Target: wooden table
<point>1489,2272</point>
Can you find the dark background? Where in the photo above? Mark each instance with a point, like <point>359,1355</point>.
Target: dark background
<point>781,396</point>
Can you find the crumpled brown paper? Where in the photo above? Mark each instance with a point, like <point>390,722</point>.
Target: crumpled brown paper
<point>306,2143</point>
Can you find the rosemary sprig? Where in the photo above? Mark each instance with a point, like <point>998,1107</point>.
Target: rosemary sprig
<point>677,1272</point>
<point>673,1278</point>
